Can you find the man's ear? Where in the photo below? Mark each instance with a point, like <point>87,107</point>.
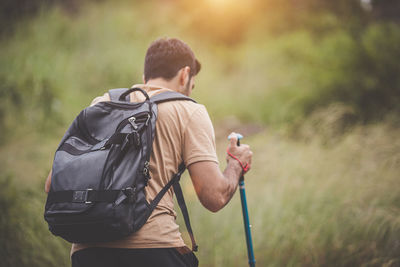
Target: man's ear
<point>184,74</point>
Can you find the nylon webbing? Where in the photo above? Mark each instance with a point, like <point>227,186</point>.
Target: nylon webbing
<point>185,213</point>
<point>83,196</point>
<point>159,98</point>
<point>181,201</point>
<point>169,96</point>
<point>160,195</point>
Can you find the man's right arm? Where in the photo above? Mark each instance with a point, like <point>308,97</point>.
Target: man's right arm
<point>213,187</point>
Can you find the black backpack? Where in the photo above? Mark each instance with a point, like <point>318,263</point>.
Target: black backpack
<point>101,168</point>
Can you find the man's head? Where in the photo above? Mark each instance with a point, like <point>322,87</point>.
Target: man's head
<point>171,60</point>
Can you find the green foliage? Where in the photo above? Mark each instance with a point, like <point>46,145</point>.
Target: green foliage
<point>359,71</point>
<point>62,69</point>
<point>67,60</point>
<point>24,237</point>
<point>285,79</point>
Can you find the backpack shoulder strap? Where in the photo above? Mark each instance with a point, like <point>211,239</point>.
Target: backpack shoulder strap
<point>170,96</point>
<point>160,98</point>
<point>115,93</point>
<point>185,213</point>
<point>174,182</point>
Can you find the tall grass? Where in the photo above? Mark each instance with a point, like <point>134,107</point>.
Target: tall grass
<point>311,204</point>
<point>24,237</point>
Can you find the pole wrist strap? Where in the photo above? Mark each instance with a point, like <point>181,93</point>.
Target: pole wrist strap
<point>244,167</point>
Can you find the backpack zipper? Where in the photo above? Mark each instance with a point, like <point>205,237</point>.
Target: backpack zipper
<point>134,120</point>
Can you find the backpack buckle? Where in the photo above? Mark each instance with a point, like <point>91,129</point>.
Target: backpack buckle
<point>81,196</point>
<point>86,196</point>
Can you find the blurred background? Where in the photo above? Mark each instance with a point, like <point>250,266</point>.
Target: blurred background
<point>314,85</point>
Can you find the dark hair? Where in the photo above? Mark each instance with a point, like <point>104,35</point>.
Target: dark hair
<point>166,56</point>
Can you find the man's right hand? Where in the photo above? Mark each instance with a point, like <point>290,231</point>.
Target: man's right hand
<point>242,152</point>
<point>213,187</point>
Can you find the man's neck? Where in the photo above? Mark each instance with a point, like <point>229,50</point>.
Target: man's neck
<point>162,83</point>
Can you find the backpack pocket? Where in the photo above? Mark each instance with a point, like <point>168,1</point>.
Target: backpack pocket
<point>78,165</point>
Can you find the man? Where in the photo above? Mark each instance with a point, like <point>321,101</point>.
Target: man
<point>184,132</point>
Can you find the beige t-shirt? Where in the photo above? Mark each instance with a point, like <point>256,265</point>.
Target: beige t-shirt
<point>183,132</point>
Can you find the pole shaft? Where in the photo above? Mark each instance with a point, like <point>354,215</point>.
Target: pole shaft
<point>246,221</point>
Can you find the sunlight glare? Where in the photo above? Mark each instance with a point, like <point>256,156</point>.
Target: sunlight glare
<point>223,3</point>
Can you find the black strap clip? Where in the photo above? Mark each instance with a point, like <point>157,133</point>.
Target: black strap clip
<point>81,196</point>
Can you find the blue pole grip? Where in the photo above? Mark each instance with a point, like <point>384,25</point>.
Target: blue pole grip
<point>238,136</point>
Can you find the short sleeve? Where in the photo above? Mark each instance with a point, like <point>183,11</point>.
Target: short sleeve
<point>105,97</point>
<point>199,138</point>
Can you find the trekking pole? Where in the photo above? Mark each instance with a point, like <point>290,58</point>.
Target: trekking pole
<point>245,212</point>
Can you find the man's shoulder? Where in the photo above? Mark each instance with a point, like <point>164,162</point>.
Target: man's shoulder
<point>102,98</point>
<point>182,107</point>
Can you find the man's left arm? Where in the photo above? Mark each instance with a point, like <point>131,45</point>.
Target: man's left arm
<point>47,183</point>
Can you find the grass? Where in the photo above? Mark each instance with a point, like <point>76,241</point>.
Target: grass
<point>311,205</point>
<point>24,237</point>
